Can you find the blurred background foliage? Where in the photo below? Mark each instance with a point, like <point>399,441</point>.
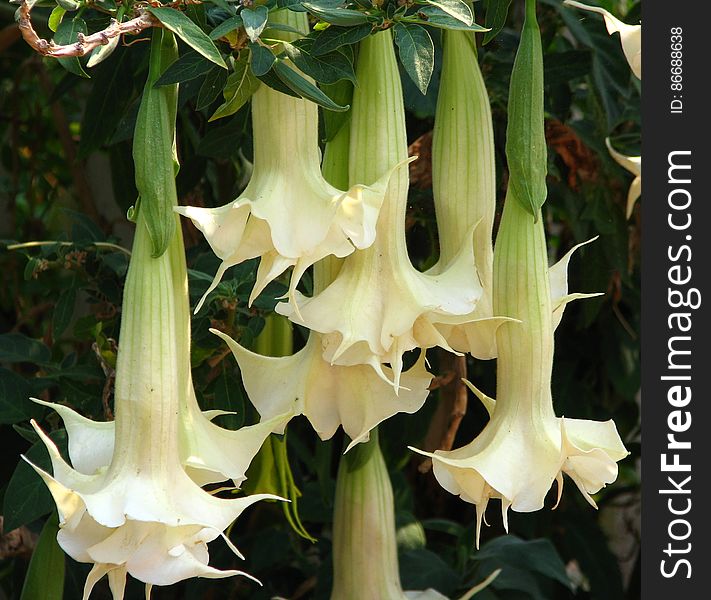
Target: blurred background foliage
<point>66,182</point>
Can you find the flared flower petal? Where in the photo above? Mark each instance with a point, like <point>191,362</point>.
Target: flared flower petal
<point>355,397</point>
<point>379,306</point>
<point>634,165</point>
<point>630,35</point>
<point>289,214</point>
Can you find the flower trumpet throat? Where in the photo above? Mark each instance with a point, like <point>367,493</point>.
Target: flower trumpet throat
<point>288,214</point>
<point>379,306</point>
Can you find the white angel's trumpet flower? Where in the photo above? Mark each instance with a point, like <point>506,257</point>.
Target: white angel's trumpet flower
<point>630,35</point>
<point>634,165</point>
<point>464,184</point>
<point>379,306</point>
<point>288,214</point>
<point>330,396</point>
<point>139,512</point>
<point>525,447</point>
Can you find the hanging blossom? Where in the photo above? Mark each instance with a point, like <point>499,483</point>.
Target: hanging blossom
<point>630,35</point>
<point>288,214</point>
<point>379,306</point>
<point>634,165</point>
<point>128,504</point>
<point>525,448</point>
<point>353,397</point>
<point>464,185</point>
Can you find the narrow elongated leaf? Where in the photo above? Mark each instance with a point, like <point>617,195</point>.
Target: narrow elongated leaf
<point>66,33</point>
<point>304,87</point>
<point>239,88</point>
<point>416,51</point>
<point>255,20</point>
<point>341,93</point>
<point>456,8</point>
<point>211,88</point>
<point>496,13</point>
<point>63,312</point>
<point>261,59</point>
<point>45,575</point>
<point>226,27</point>
<point>190,65</point>
<point>336,16</point>
<point>187,31</point>
<point>326,68</point>
<point>16,348</point>
<point>277,84</point>
<point>436,17</point>
<point>334,37</point>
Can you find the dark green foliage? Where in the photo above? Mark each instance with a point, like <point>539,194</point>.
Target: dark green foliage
<point>66,177</point>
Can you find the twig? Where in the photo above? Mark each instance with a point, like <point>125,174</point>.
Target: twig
<point>35,244</point>
<point>84,43</point>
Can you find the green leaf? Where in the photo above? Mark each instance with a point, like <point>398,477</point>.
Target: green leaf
<point>16,347</point>
<point>455,8</point>
<point>341,93</point>
<point>422,569</point>
<point>15,403</point>
<point>496,13</point>
<point>227,26</point>
<point>304,87</point>
<point>255,20</point>
<point>228,396</point>
<point>63,312</point>
<point>187,31</point>
<point>45,575</point>
<point>55,18</point>
<point>239,88</point>
<point>27,497</point>
<point>416,51</point>
<point>67,33</point>
<point>261,59</point>
<point>336,16</point>
<point>223,140</point>
<point>325,68</point>
<point>190,65</point>
<point>334,37</point>
<point>277,84</point>
<point>436,17</point>
<point>211,88</point>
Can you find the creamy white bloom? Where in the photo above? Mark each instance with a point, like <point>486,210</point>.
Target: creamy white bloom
<point>630,35</point>
<point>128,505</point>
<point>288,214</point>
<point>634,165</point>
<point>379,306</point>
<point>354,397</point>
<point>525,447</point>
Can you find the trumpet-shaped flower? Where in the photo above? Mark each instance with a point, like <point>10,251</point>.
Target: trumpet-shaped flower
<point>525,447</point>
<point>288,214</point>
<point>131,506</point>
<point>634,165</point>
<point>464,185</point>
<point>379,306</point>
<point>354,397</point>
<point>630,35</point>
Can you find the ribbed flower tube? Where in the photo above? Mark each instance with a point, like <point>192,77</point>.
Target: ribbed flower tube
<point>379,306</point>
<point>288,214</point>
<point>464,184</point>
